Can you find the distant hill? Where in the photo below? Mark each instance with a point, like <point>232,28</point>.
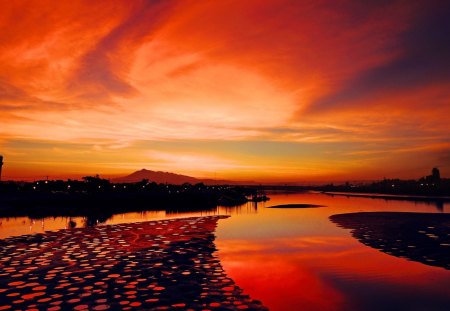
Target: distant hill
<point>158,177</point>
<point>166,177</point>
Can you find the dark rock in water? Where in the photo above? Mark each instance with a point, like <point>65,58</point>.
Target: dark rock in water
<point>157,265</point>
<point>421,237</point>
<point>295,206</point>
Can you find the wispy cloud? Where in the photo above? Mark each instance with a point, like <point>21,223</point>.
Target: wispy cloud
<point>327,77</point>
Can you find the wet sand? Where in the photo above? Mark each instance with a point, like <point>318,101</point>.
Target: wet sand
<point>157,265</point>
<point>421,237</point>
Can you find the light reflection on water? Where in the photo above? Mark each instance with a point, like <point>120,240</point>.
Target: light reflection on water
<point>297,259</point>
<point>14,226</point>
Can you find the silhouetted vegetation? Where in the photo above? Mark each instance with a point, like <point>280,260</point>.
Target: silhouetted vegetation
<point>97,196</point>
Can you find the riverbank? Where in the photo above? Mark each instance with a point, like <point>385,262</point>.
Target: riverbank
<point>390,196</point>
<point>74,198</point>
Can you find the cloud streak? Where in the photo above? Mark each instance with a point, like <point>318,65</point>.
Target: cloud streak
<point>333,78</point>
<point>423,61</point>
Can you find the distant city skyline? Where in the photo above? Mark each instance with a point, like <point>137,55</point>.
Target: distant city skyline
<point>270,91</point>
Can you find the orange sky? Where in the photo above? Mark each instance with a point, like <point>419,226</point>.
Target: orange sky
<point>247,90</point>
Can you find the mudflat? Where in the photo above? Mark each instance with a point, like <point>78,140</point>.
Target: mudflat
<point>421,237</point>
<point>166,264</point>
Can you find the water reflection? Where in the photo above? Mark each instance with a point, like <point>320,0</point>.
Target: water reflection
<point>419,237</point>
<point>440,206</point>
<point>432,201</point>
<point>297,259</point>
<point>10,226</point>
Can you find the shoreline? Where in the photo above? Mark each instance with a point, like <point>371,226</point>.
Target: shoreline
<point>105,203</point>
<point>407,197</point>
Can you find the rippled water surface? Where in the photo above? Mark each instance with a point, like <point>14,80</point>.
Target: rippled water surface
<point>297,259</point>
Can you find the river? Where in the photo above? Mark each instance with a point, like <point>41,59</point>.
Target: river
<point>298,259</point>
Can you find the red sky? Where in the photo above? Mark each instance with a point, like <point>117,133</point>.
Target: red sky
<point>263,90</point>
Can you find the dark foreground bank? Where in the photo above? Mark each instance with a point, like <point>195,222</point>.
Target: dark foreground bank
<point>99,197</point>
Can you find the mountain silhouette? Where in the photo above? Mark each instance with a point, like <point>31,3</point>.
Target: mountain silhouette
<point>167,177</point>
<point>158,177</point>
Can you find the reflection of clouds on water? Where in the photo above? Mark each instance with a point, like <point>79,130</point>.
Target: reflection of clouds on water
<point>421,237</point>
<point>163,264</point>
<point>14,226</point>
<point>438,202</point>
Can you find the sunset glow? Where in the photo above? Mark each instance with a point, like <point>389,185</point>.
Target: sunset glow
<point>269,91</point>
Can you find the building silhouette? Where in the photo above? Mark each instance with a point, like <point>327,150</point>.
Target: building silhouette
<point>435,174</point>
<point>434,178</point>
<point>1,164</point>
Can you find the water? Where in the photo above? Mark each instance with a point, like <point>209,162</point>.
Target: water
<point>297,259</point>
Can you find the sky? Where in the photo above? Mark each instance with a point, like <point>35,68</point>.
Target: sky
<point>262,90</point>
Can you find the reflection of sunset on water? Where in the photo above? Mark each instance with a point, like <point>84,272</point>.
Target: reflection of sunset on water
<point>303,276</point>
<point>298,257</point>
